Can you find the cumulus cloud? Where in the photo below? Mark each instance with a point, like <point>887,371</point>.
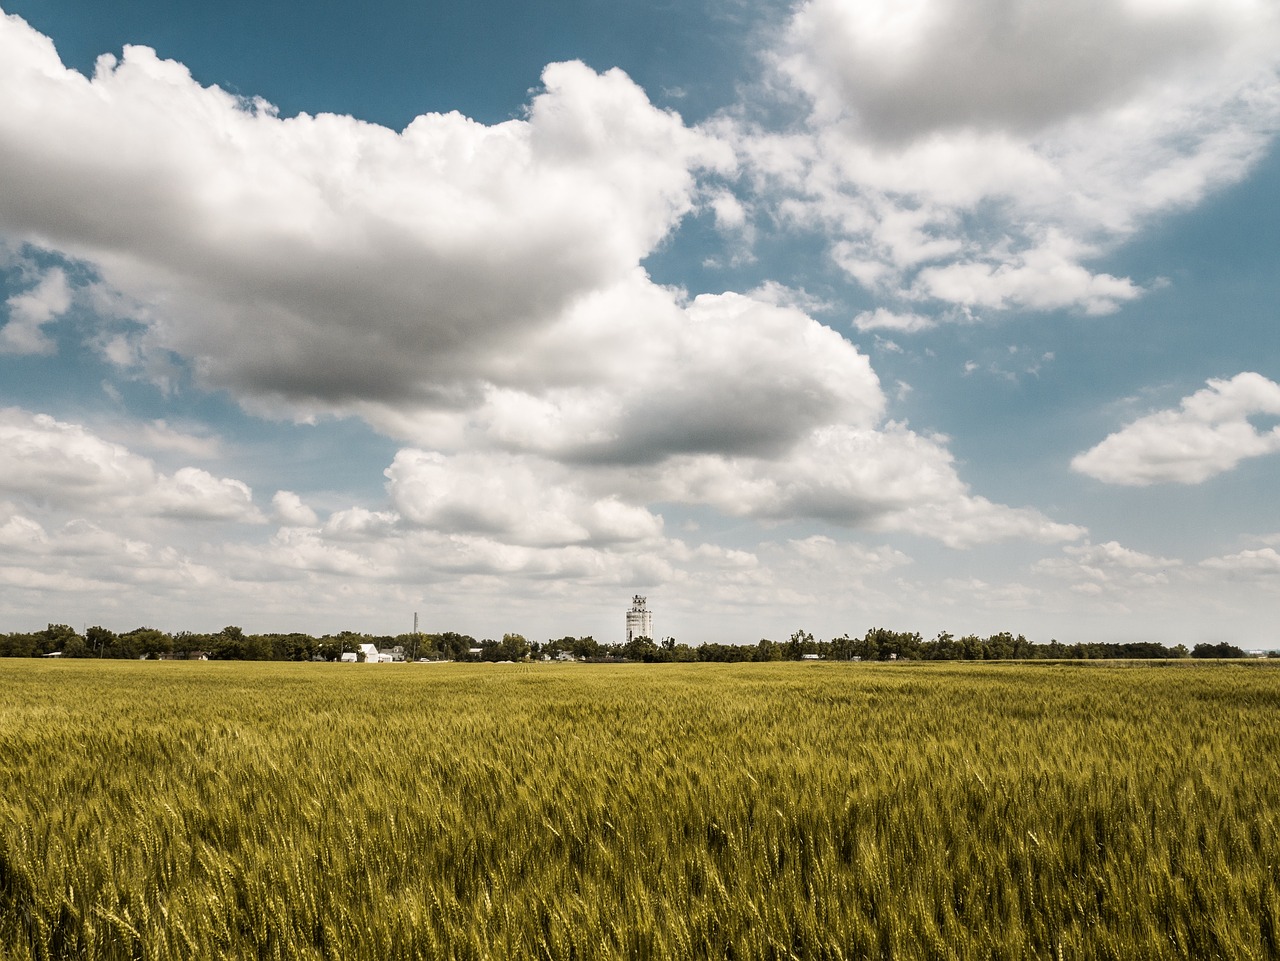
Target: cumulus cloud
<point>901,71</point>
<point>1209,433</point>
<point>319,260</point>
<point>1255,564</point>
<point>887,479</point>
<point>983,154</point>
<point>289,510</point>
<point>66,466</point>
<point>751,408</point>
<point>636,377</point>
<point>518,500</point>
<point>81,556</point>
<point>195,494</point>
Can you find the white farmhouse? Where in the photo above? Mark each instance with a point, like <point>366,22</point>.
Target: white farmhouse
<point>371,655</point>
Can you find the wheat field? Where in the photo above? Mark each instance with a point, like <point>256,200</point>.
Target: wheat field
<point>249,810</point>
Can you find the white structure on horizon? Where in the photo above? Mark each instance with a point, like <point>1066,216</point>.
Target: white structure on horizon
<point>639,619</point>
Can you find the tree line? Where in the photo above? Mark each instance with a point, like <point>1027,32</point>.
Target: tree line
<point>877,644</point>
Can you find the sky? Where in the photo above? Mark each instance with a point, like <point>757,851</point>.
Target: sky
<point>933,315</point>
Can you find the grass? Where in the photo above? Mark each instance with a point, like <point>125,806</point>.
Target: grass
<point>171,810</point>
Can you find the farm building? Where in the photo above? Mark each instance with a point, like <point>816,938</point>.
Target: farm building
<point>639,619</point>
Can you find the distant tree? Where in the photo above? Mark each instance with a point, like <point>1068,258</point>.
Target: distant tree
<point>185,643</point>
<point>641,649</point>
<point>53,638</point>
<point>449,646</point>
<point>229,644</point>
<point>19,645</point>
<point>148,642</point>
<point>104,643</point>
<point>1221,649</point>
<point>800,644</point>
<point>767,650</point>
<point>513,647</point>
<point>292,647</point>
<point>76,646</point>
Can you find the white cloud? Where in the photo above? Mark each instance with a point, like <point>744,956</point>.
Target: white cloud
<point>882,319</point>
<point>982,154</point>
<point>1263,563</point>
<point>517,499</point>
<point>1043,277</point>
<point>195,494</point>
<point>1109,568</point>
<point>317,261</point>
<point>822,554</point>
<point>80,556</point>
<point>289,510</point>
<point>904,70</point>
<point>472,290</point>
<point>161,436</point>
<point>890,479</point>
<point>632,375</point>
<point>29,311</point>
<point>66,466</point>
<point>475,292</point>
<point>360,524</point>
<point>1208,434</point>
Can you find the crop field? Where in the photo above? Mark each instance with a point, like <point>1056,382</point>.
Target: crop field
<point>250,810</point>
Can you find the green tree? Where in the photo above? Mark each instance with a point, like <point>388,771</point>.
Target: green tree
<point>229,644</point>
<point>1221,649</point>
<point>54,638</point>
<point>148,642</point>
<point>640,649</point>
<point>514,647</point>
<point>767,650</point>
<point>102,642</point>
<point>800,644</point>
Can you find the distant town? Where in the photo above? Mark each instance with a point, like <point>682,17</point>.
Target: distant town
<point>639,644</point>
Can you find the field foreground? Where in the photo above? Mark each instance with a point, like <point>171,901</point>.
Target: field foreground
<point>249,810</point>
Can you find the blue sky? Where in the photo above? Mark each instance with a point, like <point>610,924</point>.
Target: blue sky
<point>934,316</point>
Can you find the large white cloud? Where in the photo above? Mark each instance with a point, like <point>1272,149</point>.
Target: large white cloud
<point>516,499</point>
<point>1209,433</point>
<point>64,466</point>
<point>981,154</point>
<point>633,375</point>
<point>323,259</point>
<point>889,479</point>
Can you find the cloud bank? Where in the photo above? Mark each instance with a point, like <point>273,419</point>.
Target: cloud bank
<point>473,290</point>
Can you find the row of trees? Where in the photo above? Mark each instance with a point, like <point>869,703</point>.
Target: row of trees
<point>878,644</point>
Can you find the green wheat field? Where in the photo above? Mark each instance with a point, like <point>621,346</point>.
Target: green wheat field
<point>254,810</point>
